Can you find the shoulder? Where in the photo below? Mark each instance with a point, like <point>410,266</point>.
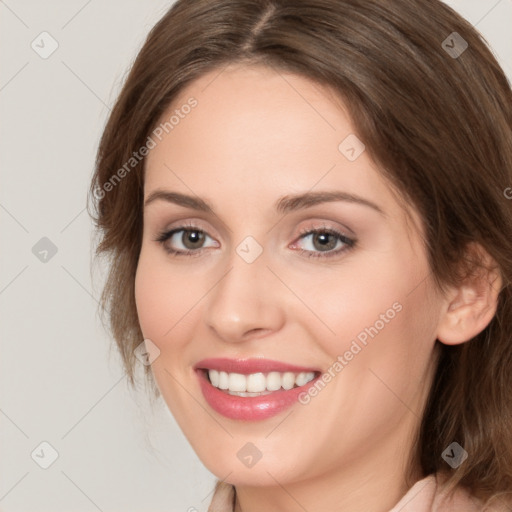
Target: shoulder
<point>431,495</point>
<point>223,498</point>
<point>427,495</point>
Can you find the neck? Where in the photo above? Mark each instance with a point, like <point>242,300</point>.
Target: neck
<point>374,483</point>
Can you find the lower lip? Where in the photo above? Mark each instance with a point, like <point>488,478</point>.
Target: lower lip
<point>251,408</point>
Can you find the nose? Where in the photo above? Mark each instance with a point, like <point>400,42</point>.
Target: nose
<point>246,301</point>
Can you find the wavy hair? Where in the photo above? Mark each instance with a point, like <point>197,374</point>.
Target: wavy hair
<point>438,124</point>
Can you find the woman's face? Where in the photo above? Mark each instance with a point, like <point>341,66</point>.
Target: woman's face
<point>353,300</point>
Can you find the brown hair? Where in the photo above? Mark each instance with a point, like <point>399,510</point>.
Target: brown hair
<point>440,127</point>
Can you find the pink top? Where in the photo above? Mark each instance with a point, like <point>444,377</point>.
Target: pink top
<point>424,496</point>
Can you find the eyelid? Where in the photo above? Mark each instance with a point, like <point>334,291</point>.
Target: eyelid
<point>348,241</point>
<point>166,234</point>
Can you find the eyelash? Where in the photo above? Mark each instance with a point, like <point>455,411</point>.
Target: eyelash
<point>349,242</point>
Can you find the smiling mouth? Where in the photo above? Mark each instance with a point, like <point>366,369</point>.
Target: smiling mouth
<point>257,384</point>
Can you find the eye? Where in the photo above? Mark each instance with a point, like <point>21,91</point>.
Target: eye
<point>184,240</point>
<point>325,242</point>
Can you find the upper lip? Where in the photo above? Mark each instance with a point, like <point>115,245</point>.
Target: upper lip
<point>248,366</point>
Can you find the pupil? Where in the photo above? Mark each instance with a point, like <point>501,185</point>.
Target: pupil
<point>323,238</point>
<point>192,239</point>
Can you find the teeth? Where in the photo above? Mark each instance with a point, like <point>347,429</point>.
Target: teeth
<point>303,378</point>
<point>273,381</point>
<point>223,380</point>
<point>214,378</point>
<point>237,382</point>
<point>258,383</point>
<point>288,380</point>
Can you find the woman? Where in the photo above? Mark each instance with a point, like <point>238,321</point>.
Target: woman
<point>305,205</point>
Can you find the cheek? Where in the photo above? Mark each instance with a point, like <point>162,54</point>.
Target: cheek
<point>162,312</point>
<point>148,299</point>
<point>381,314</point>
<point>395,329</point>
<point>357,299</point>
<point>384,335</point>
<point>167,300</point>
<point>157,297</point>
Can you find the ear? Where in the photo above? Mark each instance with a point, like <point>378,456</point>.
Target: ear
<point>470,307</point>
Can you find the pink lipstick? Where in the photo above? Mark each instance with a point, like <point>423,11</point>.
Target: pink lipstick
<point>252,389</point>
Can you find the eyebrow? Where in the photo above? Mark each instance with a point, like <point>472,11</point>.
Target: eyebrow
<point>283,205</point>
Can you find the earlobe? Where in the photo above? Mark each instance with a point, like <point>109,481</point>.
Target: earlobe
<point>469,309</point>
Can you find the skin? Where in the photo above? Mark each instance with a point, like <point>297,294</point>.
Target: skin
<point>257,135</point>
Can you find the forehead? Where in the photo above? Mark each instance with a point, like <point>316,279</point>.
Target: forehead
<point>253,113</point>
<point>255,134</point>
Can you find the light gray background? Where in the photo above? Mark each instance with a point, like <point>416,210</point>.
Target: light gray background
<point>61,383</point>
